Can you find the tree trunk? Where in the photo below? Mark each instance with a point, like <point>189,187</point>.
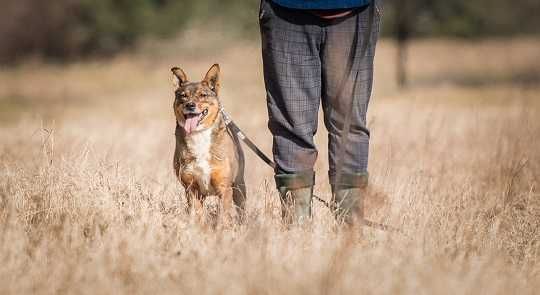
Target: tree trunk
<point>401,70</point>
<point>402,31</point>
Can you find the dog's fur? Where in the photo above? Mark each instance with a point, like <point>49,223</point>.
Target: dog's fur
<point>208,159</point>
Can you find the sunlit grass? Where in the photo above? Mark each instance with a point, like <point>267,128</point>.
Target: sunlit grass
<point>89,203</point>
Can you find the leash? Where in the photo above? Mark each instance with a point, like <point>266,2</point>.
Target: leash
<point>236,130</point>
<point>363,221</point>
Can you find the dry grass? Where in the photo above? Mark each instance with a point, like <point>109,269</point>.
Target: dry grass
<point>89,204</point>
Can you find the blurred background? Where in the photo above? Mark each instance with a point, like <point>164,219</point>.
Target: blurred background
<point>67,30</point>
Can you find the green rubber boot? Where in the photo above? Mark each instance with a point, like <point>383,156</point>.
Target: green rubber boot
<point>296,195</point>
<point>348,197</point>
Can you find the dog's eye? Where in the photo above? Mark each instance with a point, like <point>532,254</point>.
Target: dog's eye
<point>181,95</point>
<point>204,94</point>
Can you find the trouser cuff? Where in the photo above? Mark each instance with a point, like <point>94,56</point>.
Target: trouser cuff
<point>349,180</point>
<point>295,180</point>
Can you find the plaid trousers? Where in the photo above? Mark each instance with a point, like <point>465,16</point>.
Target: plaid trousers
<point>305,58</point>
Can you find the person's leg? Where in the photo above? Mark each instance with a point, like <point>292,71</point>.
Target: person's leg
<point>292,75</point>
<point>339,39</point>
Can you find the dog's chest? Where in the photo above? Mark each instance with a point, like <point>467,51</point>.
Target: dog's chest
<point>199,145</point>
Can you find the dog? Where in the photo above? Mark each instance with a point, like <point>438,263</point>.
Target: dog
<point>208,158</point>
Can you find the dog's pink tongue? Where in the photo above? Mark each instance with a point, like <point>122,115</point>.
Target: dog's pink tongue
<point>191,123</point>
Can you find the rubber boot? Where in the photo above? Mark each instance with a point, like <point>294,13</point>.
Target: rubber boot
<point>296,195</point>
<point>348,198</point>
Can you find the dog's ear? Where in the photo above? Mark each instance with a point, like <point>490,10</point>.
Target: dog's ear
<point>179,77</point>
<point>211,79</point>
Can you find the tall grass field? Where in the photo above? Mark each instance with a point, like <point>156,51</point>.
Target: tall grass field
<point>89,203</point>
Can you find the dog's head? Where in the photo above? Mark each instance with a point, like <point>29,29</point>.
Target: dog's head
<point>196,104</point>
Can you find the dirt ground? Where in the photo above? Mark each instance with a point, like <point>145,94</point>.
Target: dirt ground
<point>89,203</point>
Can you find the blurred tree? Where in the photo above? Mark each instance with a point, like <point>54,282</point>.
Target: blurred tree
<point>406,19</point>
<point>466,18</point>
<point>403,27</point>
<point>65,29</point>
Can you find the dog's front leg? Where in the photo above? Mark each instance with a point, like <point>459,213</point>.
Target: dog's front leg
<point>195,205</point>
<point>189,203</point>
<point>226,196</point>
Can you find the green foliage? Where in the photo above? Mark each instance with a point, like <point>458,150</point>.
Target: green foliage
<point>464,18</point>
<point>66,29</point>
<point>110,25</point>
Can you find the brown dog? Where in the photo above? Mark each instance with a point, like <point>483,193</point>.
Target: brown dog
<point>208,159</point>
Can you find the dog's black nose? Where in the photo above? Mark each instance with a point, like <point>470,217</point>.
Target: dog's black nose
<point>190,106</point>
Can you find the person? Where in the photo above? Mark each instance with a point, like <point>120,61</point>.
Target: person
<point>306,48</point>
